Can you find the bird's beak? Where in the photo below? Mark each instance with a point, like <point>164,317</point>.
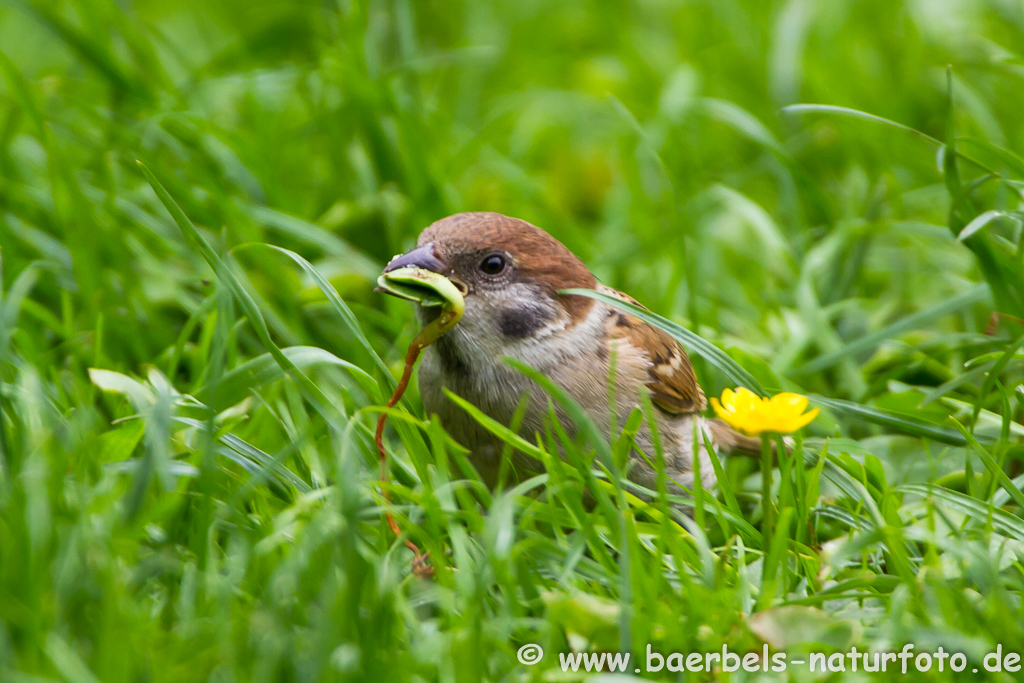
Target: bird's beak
<point>420,276</point>
<point>424,257</point>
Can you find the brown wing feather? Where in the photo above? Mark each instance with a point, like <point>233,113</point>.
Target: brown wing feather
<point>673,384</point>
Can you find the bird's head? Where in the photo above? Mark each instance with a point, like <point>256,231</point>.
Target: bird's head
<point>509,273</point>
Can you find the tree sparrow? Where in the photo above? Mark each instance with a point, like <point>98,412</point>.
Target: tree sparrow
<point>510,272</point>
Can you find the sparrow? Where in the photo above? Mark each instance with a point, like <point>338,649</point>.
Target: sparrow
<point>510,273</point>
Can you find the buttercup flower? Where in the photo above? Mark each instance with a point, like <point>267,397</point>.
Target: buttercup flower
<point>744,410</point>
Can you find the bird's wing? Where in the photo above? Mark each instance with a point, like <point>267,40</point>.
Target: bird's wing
<point>672,382</point>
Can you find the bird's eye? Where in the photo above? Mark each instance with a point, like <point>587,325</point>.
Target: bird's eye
<point>493,264</point>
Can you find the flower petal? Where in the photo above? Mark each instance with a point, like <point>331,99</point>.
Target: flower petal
<point>718,408</point>
<point>747,412</point>
<point>745,395</point>
<point>729,398</point>
<point>792,404</point>
<point>800,421</point>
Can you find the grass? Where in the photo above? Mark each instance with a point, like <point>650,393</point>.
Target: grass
<point>816,198</point>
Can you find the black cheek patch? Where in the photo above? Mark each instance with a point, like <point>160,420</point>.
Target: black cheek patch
<point>519,323</point>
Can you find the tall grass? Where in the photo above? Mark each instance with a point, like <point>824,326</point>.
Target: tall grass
<point>822,198</point>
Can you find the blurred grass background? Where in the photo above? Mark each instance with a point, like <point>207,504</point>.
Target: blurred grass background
<point>172,507</point>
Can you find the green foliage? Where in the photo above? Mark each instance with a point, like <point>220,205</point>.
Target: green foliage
<point>815,197</point>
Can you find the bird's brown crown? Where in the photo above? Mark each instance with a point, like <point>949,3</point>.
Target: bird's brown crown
<point>538,256</point>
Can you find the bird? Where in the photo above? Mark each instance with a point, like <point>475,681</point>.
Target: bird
<point>511,274</point>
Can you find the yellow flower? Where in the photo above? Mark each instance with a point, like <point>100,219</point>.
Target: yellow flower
<point>744,410</point>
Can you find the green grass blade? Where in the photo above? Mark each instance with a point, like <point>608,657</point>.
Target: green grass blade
<point>898,422</point>
<point>993,467</point>
<point>911,322</point>
<point>239,382</point>
<point>344,312</point>
<point>982,221</point>
<point>322,403</point>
